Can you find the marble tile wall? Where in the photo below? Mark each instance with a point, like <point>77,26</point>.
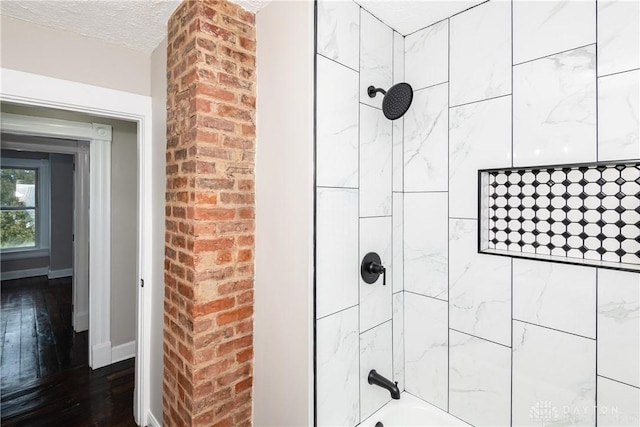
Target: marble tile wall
<point>524,83</point>
<point>359,209</point>
<point>492,340</point>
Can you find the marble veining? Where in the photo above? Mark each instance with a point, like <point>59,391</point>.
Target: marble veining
<point>376,147</point>
<point>376,57</point>
<point>479,286</point>
<point>398,57</point>
<point>398,154</point>
<point>554,109</point>
<point>427,56</point>
<point>481,53</point>
<point>425,141</point>
<point>337,125</point>
<point>375,353</point>
<point>479,138</point>
<point>542,291</point>
<point>552,370</point>
<point>426,348</point>
<point>398,339</point>
<point>619,325</point>
<point>337,250</point>
<point>339,31</point>
<point>542,28</point>
<point>398,242</point>
<point>619,116</point>
<point>618,41</point>
<point>337,369</point>
<point>619,403</point>
<point>425,244</point>
<point>479,380</point>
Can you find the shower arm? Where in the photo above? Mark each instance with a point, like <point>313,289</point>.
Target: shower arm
<point>372,91</point>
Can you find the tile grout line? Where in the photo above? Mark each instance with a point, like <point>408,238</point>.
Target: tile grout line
<point>359,415</point>
<point>315,215</point>
<point>378,325</point>
<point>448,213</point>
<point>480,100</point>
<point>335,61</point>
<point>511,370</point>
<point>617,72</point>
<point>597,83</point>
<point>596,334</point>
<point>426,296</point>
<point>554,329</point>
<point>444,19</point>
<point>479,337</point>
<point>342,310</point>
<point>393,320</point>
<point>554,54</point>
<point>430,86</point>
<point>618,381</point>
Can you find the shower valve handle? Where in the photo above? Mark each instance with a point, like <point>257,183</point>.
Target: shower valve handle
<point>371,268</point>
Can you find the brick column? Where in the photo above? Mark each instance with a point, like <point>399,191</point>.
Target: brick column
<point>209,242</point>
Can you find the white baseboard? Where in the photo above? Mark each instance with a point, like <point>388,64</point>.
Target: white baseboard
<point>57,274</point>
<point>21,274</point>
<point>81,322</point>
<point>101,355</point>
<point>152,421</point>
<point>123,351</point>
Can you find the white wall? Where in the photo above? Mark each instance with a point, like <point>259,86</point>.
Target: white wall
<point>62,177</point>
<point>159,105</point>
<point>32,48</point>
<point>124,230</point>
<point>283,382</point>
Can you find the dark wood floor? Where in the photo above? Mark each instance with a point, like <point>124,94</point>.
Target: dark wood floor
<point>76,397</point>
<point>45,378</point>
<point>37,334</point>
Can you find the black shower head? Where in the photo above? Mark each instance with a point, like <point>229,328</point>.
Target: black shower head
<point>397,100</point>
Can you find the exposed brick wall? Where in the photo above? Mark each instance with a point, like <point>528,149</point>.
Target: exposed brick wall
<point>209,243</point>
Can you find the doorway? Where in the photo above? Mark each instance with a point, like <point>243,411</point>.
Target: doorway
<point>40,335</point>
<point>35,90</point>
<point>107,177</point>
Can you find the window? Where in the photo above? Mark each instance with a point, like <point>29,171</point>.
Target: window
<point>24,206</point>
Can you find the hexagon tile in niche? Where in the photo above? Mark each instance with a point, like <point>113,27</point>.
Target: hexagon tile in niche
<point>581,214</point>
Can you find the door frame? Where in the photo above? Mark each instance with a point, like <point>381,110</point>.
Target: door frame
<point>37,90</point>
<point>48,128</point>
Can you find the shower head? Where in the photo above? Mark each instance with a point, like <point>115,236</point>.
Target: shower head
<point>396,101</point>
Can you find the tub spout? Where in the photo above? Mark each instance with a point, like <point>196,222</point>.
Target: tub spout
<point>377,379</point>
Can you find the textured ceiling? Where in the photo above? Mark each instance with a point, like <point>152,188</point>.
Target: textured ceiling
<point>141,24</point>
<point>408,16</point>
<point>137,24</point>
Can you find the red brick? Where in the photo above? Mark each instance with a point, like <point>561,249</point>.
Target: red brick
<point>234,315</point>
<point>214,244</point>
<point>210,211</point>
<point>244,355</point>
<point>213,306</point>
<point>213,214</point>
<point>244,385</point>
<point>245,255</point>
<point>215,93</point>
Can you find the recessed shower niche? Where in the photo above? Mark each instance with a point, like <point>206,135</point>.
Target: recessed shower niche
<point>580,214</point>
